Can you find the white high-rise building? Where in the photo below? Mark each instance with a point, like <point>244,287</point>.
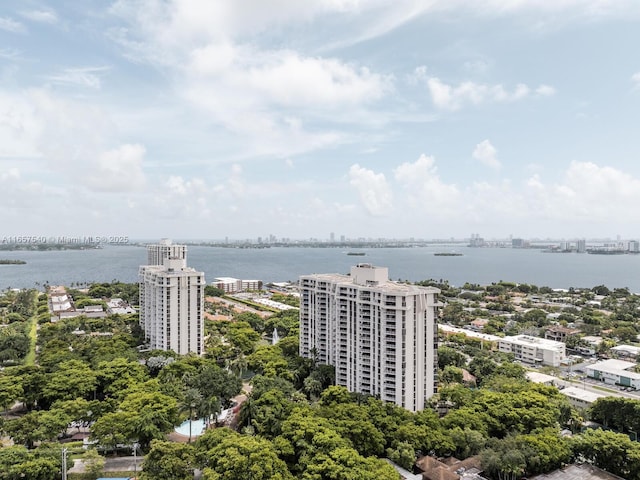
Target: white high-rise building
<point>172,302</point>
<point>156,253</point>
<point>381,336</point>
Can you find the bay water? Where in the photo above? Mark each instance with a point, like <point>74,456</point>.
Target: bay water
<point>280,264</point>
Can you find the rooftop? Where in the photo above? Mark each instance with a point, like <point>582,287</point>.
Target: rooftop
<point>615,367</point>
<point>534,341</point>
<point>469,333</point>
<point>537,377</point>
<point>581,394</point>
<point>630,349</point>
<point>578,472</point>
<point>387,286</point>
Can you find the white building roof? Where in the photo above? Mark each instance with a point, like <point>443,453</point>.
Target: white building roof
<point>581,394</point>
<point>529,341</point>
<point>615,367</point>
<point>469,333</point>
<point>537,377</point>
<point>386,287</point>
<point>226,280</point>
<point>630,349</point>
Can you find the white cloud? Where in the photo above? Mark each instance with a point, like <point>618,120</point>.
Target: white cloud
<point>70,139</point>
<point>9,53</point>
<point>422,185</point>
<point>10,25</point>
<point>373,189</point>
<point>41,16</point>
<point>207,49</point>
<point>418,76</point>
<point>635,78</point>
<point>288,79</point>
<point>545,90</point>
<point>478,66</point>
<point>119,170</point>
<point>84,77</point>
<point>449,97</point>
<point>485,152</point>
<point>12,174</point>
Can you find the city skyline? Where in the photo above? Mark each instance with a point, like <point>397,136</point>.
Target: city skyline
<point>365,118</point>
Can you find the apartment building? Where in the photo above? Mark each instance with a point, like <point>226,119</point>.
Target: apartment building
<point>172,302</point>
<point>234,285</point>
<point>380,335</point>
<point>165,248</point>
<point>534,350</point>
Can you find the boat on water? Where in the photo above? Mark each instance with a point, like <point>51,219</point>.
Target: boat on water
<point>357,254</point>
<point>448,254</point>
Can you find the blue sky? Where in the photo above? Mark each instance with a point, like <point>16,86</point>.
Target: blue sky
<point>399,118</point>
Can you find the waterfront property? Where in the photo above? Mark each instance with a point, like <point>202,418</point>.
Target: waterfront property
<point>233,285</point>
<point>534,350</point>
<point>172,302</point>
<point>380,335</point>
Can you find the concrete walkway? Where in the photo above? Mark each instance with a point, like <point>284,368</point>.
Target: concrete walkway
<point>113,464</point>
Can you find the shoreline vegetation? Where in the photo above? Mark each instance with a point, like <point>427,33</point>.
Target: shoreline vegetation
<point>12,247</point>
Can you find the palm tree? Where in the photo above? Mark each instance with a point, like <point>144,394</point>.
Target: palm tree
<point>207,408</point>
<point>191,400</point>
<point>238,365</point>
<point>313,387</point>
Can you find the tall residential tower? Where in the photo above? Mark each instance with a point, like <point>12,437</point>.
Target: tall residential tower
<point>171,300</point>
<point>380,335</point>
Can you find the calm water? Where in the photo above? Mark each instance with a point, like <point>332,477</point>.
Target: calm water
<point>478,265</point>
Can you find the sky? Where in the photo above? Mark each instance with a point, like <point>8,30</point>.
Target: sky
<point>366,118</point>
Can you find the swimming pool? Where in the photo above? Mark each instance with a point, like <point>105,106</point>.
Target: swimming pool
<point>197,427</point>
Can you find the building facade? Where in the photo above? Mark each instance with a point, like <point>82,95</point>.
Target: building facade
<point>615,372</point>
<point>172,303</point>
<point>156,253</point>
<point>534,350</point>
<point>381,336</point>
<point>233,285</point>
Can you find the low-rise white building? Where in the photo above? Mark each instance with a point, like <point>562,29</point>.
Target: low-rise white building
<point>233,285</point>
<point>534,350</point>
<point>448,329</point>
<point>615,372</point>
<point>626,351</point>
<point>580,397</point>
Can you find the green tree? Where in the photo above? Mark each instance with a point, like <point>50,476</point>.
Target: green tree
<point>304,436</point>
<point>168,461</point>
<point>37,426</point>
<point>345,464</point>
<point>211,291</point>
<point>449,356</point>
<point>72,379</point>
<point>93,463</point>
<point>10,391</point>
<point>18,463</point>
<point>153,415</point>
<point>451,374</point>
<point>229,456</point>
<point>253,319</point>
<point>613,452</point>
<point>268,411</point>
<point>116,375</point>
<point>402,454</point>
<point>113,429</point>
